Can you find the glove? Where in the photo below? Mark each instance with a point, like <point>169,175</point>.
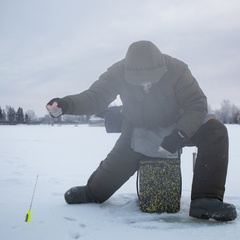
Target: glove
<point>57,107</point>
<point>174,141</point>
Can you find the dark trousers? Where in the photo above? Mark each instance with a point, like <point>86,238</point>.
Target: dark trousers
<point>209,178</point>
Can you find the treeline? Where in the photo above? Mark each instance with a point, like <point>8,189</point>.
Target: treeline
<point>10,116</point>
<point>228,114</point>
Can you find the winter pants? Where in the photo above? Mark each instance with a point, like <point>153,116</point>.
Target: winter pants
<point>209,178</point>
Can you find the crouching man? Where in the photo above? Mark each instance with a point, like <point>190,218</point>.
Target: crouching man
<point>156,91</point>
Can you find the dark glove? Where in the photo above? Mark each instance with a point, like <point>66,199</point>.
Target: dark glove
<point>174,141</point>
<point>57,107</point>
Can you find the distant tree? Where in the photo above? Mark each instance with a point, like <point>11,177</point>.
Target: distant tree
<point>11,114</point>
<point>32,118</point>
<point>235,113</point>
<point>47,119</point>
<point>26,118</point>
<point>20,115</point>
<point>1,114</point>
<point>228,112</point>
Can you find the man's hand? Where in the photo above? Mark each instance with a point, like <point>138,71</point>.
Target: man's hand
<point>174,141</point>
<point>57,107</point>
<point>51,107</point>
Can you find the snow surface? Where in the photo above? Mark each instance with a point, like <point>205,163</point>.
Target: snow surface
<point>65,156</point>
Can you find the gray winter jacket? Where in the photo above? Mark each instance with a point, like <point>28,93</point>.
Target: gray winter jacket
<point>176,98</point>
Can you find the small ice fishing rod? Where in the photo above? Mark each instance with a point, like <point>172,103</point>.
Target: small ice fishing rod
<point>29,212</point>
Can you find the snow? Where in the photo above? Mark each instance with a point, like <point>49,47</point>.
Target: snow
<point>65,156</point>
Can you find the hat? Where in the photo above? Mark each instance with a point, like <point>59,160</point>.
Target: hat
<point>144,63</point>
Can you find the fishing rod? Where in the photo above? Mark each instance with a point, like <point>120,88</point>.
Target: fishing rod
<point>29,212</point>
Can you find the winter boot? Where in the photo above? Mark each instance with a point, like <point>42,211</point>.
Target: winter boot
<point>206,208</point>
<point>76,195</point>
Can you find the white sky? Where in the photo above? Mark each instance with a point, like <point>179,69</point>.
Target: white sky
<point>53,48</point>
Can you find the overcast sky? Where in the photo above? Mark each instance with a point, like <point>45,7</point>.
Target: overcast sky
<point>53,48</point>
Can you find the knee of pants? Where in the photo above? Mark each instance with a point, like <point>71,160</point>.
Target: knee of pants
<point>217,126</point>
<point>213,132</point>
<point>211,139</point>
<point>219,134</point>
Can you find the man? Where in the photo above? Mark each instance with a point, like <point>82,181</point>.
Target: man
<point>156,91</point>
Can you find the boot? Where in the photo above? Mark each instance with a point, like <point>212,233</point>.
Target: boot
<point>206,208</point>
<point>76,195</point>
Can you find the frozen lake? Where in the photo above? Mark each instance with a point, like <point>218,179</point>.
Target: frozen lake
<point>65,156</point>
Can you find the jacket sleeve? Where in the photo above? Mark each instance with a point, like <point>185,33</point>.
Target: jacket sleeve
<point>192,101</point>
<point>95,99</point>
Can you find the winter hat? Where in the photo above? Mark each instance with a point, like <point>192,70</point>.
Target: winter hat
<point>144,63</point>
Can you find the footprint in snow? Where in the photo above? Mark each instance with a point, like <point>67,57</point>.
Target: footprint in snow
<point>70,219</point>
<point>75,235</point>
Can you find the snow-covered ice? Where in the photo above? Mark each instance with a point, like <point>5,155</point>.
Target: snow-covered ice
<point>65,156</point>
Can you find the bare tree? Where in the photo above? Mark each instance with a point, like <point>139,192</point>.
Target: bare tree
<point>228,112</point>
<point>31,116</point>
